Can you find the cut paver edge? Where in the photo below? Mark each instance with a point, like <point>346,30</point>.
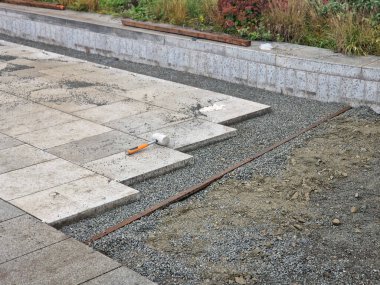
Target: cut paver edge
<point>60,210</point>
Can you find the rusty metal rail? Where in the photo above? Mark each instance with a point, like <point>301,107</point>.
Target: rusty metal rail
<point>35,4</point>
<point>196,188</point>
<point>186,32</point>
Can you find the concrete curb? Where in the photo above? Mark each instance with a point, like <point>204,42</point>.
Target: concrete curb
<point>288,69</point>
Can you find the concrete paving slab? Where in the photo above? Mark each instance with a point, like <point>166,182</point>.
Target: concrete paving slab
<point>62,134</point>
<point>120,78</point>
<point>151,162</point>
<point>118,110</point>
<point>68,262</point>
<point>23,86</point>
<point>176,97</point>
<point>67,71</point>
<point>193,134</point>
<point>72,100</point>
<point>208,105</point>
<point>233,110</point>
<point>25,123</point>
<point>7,142</point>
<point>121,275</point>
<point>76,200</point>
<point>148,121</point>
<point>8,98</point>
<point>25,234</point>
<point>25,181</point>
<point>22,156</point>
<point>8,211</point>
<point>96,147</point>
<point>19,108</point>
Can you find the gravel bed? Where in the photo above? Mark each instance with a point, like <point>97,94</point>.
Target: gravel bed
<point>288,115</point>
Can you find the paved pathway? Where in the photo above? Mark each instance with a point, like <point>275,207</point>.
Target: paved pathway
<point>33,253</point>
<point>65,125</point>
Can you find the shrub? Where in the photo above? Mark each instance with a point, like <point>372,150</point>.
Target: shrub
<point>241,14</point>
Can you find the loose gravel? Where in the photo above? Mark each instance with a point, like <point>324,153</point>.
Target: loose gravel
<point>288,115</point>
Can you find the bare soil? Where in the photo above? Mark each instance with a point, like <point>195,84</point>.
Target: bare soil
<point>280,230</point>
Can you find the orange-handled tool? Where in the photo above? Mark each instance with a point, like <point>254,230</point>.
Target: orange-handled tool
<point>140,147</point>
<point>156,138</point>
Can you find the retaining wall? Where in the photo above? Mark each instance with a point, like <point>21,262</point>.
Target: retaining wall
<point>288,69</point>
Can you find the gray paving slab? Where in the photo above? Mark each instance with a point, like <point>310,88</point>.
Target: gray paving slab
<point>25,181</point>
<point>148,163</point>
<point>62,134</point>
<point>76,200</point>
<point>8,211</point>
<point>67,262</point>
<point>96,147</point>
<point>76,99</point>
<point>121,275</point>
<point>7,142</point>
<point>25,123</point>
<point>118,110</point>
<point>193,134</point>
<point>23,235</point>
<point>148,121</point>
<point>22,156</point>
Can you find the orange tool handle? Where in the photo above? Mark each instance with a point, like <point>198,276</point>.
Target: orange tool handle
<point>137,148</point>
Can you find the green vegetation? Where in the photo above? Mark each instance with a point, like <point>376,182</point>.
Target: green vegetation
<point>346,26</point>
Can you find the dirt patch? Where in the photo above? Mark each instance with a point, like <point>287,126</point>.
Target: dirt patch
<point>279,230</point>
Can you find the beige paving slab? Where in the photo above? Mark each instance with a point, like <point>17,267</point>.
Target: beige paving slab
<point>72,100</point>
<point>118,110</point>
<point>25,181</point>
<point>42,64</point>
<point>233,110</point>
<point>22,156</point>
<point>25,234</point>
<point>77,199</point>
<point>193,134</point>
<point>25,123</point>
<point>7,142</point>
<point>23,86</point>
<point>67,262</point>
<point>148,121</point>
<point>8,98</point>
<point>208,105</point>
<point>121,275</point>
<point>8,211</point>
<point>120,78</point>
<point>176,97</point>
<point>62,134</point>
<point>68,71</point>
<point>19,108</point>
<point>96,147</point>
<point>151,162</point>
